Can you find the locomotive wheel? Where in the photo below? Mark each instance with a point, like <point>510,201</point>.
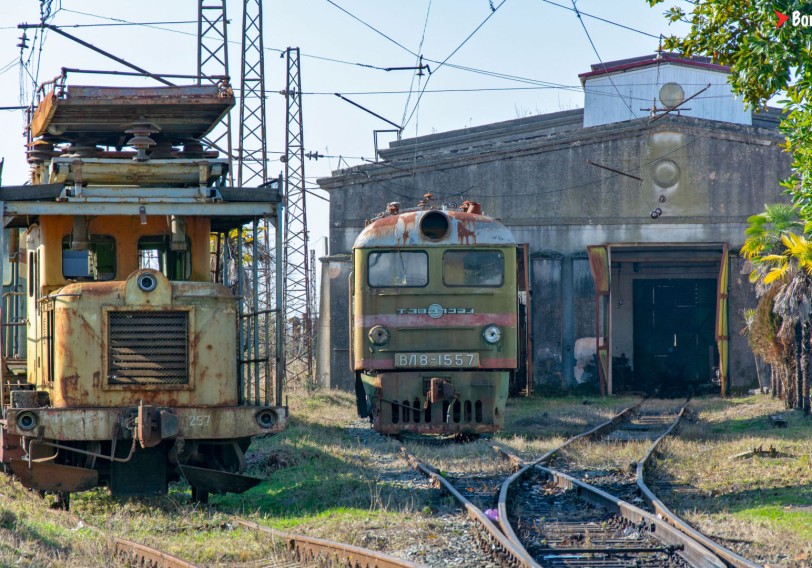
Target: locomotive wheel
<point>200,495</point>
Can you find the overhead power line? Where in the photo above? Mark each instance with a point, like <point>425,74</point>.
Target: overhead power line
<point>619,25</point>
<point>603,65</point>
<point>450,55</point>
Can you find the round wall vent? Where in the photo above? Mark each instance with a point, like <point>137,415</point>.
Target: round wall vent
<point>666,173</point>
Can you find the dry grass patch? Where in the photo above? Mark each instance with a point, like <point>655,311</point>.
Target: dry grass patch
<point>33,535</point>
<point>763,505</point>
<point>620,455</point>
<point>535,425</point>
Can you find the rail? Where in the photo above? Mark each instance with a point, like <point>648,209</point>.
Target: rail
<point>729,557</point>
<point>501,546</point>
<point>135,554</point>
<point>309,550</point>
<point>595,432</point>
<point>690,549</point>
<point>696,548</point>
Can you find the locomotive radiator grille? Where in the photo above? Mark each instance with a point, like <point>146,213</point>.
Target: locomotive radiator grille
<point>148,347</point>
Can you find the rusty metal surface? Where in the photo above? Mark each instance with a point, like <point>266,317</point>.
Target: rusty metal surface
<point>728,556</point>
<point>193,422</point>
<point>217,481</point>
<point>692,550</point>
<point>475,402</point>
<point>85,375</point>
<point>135,554</point>
<point>597,431</point>
<point>316,551</point>
<point>101,114</point>
<point>116,172</point>
<point>464,229</point>
<point>48,476</point>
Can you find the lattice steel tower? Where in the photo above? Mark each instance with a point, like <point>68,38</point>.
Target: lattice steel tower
<point>212,65</point>
<point>252,168</point>
<point>298,304</point>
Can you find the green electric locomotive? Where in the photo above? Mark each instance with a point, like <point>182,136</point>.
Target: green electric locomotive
<point>434,320</point>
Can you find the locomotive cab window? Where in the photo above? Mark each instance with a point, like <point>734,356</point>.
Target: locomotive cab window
<point>95,261</point>
<point>155,252</point>
<point>398,269</point>
<point>473,268</point>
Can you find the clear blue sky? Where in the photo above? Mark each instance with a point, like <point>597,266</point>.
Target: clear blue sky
<point>543,44</point>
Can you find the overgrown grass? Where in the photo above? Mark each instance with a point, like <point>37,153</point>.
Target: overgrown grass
<point>33,535</point>
<point>765,502</point>
<point>319,478</point>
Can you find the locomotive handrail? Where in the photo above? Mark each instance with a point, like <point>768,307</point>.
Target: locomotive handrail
<point>44,299</point>
<point>111,457</point>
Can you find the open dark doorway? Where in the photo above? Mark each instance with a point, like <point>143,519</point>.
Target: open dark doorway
<point>674,337</point>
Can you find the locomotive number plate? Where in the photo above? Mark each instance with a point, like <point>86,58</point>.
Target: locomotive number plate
<point>430,360</point>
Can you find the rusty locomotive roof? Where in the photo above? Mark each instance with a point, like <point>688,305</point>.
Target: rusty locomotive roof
<point>100,115</point>
<point>404,229</point>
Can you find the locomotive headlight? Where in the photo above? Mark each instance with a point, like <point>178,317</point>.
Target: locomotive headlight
<point>27,421</point>
<point>147,282</point>
<point>379,335</point>
<point>266,418</point>
<point>492,334</point>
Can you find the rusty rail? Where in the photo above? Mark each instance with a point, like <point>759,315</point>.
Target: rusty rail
<point>695,550</point>
<point>310,550</point>
<point>501,547</point>
<point>136,554</point>
<point>729,557</point>
<point>691,550</point>
<point>595,432</point>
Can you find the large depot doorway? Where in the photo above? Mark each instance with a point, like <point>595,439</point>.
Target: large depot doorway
<point>661,316</point>
<point>673,339</point>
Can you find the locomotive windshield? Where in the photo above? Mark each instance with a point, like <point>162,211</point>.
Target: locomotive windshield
<point>473,268</point>
<point>398,269</point>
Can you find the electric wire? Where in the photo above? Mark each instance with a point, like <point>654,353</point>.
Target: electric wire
<point>450,55</point>
<point>373,28</point>
<point>624,26</point>
<point>418,62</point>
<point>487,73</point>
<point>603,65</point>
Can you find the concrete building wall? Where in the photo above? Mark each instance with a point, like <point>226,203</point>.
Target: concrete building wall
<point>535,175</point>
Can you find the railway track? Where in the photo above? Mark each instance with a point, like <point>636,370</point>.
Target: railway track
<point>295,550</point>
<point>568,522</point>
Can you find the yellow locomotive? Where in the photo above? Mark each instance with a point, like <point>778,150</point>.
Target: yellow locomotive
<point>125,362</point>
<point>435,320</point>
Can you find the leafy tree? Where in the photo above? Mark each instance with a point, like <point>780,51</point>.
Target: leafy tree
<point>765,60</point>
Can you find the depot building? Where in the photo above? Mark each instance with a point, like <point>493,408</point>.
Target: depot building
<point>632,220</point>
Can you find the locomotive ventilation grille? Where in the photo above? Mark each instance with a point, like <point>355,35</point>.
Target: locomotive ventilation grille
<point>148,348</point>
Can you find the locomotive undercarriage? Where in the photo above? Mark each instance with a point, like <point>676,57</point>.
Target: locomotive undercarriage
<point>134,451</point>
<point>438,402</point>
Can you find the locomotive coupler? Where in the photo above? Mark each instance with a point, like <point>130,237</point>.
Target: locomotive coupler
<point>440,389</point>
<point>155,424</point>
